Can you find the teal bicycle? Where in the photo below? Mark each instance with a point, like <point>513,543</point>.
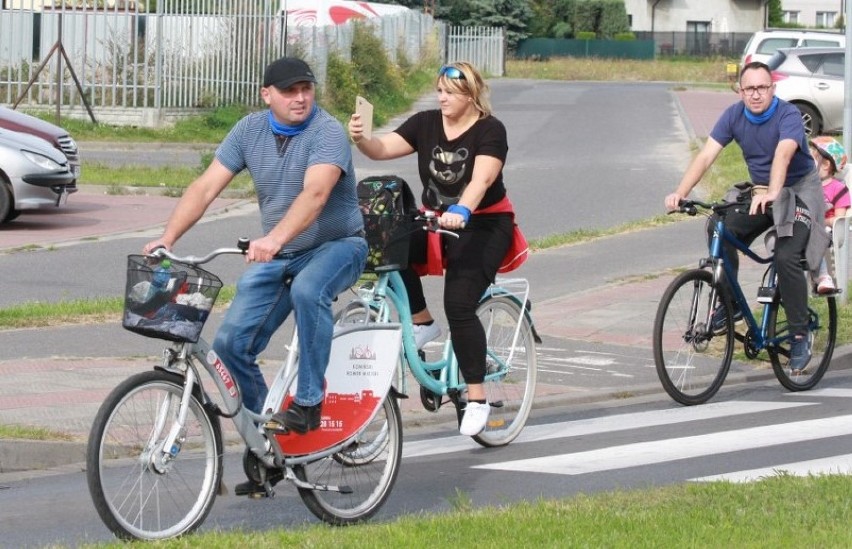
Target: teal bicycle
<point>511,369</point>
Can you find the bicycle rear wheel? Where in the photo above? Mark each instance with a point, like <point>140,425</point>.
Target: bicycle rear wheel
<point>139,492</point>
<point>365,471</point>
<point>511,369</point>
<point>691,360</point>
<point>822,311</point>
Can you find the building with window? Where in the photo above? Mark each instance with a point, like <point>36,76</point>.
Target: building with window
<point>813,13</point>
<point>696,15</point>
<point>727,15</point>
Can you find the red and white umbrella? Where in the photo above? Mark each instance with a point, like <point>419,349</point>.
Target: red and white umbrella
<point>312,13</point>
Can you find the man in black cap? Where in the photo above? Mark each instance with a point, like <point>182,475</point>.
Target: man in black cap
<point>312,246</point>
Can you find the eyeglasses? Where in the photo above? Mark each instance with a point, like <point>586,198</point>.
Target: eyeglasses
<point>451,72</point>
<point>761,90</point>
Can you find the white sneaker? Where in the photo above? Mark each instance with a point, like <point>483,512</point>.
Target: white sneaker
<point>475,418</point>
<point>423,334</point>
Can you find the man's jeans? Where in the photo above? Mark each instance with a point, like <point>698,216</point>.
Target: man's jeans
<point>262,303</point>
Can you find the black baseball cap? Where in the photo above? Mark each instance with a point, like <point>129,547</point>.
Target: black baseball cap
<point>286,71</point>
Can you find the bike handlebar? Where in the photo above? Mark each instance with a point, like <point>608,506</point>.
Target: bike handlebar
<point>429,217</point>
<point>241,249</point>
<point>431,223</point>
<point>690,207</point>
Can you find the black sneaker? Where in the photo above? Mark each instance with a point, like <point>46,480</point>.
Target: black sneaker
<point>718,321</point>
<point>297,418</point>
<point>253,489</point>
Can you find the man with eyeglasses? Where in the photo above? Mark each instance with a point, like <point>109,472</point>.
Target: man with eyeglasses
<point>786,193</point>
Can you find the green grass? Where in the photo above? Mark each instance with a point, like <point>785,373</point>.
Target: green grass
<point>31,433</point>
<point>706,72</point>
<point>210,127</point>
<point>782,511</point>
<point>37,314</point>
<point>167,180</point>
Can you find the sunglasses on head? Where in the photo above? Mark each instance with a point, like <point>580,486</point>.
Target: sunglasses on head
<point>451,72</point>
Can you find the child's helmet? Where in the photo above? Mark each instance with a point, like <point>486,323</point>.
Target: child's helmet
<point>831,148</point>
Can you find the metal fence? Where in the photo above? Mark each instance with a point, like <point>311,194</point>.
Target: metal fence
<point>698,44</point>
<point>485,47</point>
<point>123,65</point>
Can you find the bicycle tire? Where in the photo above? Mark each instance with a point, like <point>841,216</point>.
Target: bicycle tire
<point>822,346</point>
<point>511,393</point>
<point>135,498</point>
<point>691,360</point>
<point>368,467</point>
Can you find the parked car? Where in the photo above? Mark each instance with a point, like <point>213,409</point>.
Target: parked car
<point>763,44</point>
<point>813,80</point>
<point>53,134</point>
<point>33,175</point>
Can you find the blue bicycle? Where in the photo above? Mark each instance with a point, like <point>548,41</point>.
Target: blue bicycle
<point>694,329</point>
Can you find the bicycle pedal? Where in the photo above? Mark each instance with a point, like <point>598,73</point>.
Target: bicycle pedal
<point>275,427</point>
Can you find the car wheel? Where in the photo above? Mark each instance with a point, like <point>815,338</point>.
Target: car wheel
<point>5,200</point>
<point>811,120</point>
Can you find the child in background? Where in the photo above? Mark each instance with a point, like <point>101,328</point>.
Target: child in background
<point>830,158</point>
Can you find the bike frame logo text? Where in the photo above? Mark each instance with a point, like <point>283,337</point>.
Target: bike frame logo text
<point>223,372</point>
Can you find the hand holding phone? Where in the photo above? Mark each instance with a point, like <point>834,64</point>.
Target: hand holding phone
<point>364,109</point>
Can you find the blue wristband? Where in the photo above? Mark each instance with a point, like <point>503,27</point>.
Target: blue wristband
<point>461,210</point>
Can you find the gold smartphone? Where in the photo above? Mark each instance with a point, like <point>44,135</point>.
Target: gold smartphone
<point>365,109</point>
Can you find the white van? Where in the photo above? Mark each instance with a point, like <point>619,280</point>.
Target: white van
<point>764,43</point>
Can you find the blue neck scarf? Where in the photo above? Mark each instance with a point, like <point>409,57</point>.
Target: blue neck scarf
<point>762,117</point>
<point>289,131</point>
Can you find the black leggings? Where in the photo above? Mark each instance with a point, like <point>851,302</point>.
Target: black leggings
<point>472,262</point>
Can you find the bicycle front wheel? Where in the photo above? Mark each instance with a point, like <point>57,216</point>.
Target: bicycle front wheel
<point>692,361</point>
<point>822,312</point>
<point>510,369</point>
<point>140,491</point>
<point>354,483</point>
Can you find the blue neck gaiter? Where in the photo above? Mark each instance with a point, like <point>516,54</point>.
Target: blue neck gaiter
<point>289,131</point>
<point>762,117</point>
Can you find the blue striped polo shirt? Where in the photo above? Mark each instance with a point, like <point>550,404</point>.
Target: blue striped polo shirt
<point>279,178</point>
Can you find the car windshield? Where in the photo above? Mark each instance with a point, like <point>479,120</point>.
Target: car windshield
<point>771,44</point>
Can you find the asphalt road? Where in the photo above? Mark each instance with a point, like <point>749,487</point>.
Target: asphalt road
<point>581,156</point>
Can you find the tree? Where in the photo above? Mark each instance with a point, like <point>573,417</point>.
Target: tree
<point>513,15</point>
<point>552,18</point>
<point>775,13</point>
<point>413,4</point>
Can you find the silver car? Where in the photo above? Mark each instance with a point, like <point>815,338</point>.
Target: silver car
<point>812,79</point>
<point>33,175</point>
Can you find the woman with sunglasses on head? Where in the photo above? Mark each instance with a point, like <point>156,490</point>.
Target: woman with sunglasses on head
<point>461,149</point>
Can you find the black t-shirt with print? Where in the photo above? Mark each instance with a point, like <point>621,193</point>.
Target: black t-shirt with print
<point>446,166</point>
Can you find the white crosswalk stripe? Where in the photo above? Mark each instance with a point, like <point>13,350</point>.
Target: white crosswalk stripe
<point>835,392</point>
<point>646,453</point>
<point>830,465</point>
<point>659,451</point>
<point>606,424</point>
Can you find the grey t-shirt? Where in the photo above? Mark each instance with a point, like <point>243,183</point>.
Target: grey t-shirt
<point>278,172</point>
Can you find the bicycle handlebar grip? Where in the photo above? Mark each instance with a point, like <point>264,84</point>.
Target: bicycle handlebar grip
<point>243,244</point>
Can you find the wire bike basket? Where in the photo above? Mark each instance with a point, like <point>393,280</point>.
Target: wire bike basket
<point>388,238</point>
<point>168,303</point>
